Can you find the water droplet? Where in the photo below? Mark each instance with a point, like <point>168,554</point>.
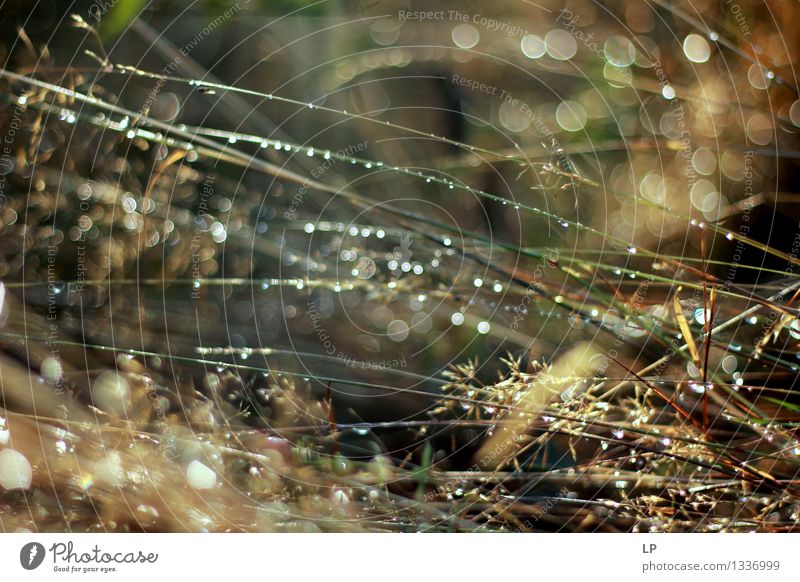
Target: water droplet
<point>465,36</point>
<point>15,470</point>
<point>729,364</point>
<point>696,48</point>
<point>560,45</point>
<point>397,330</point>
<point>701,315</point>
<point>533,46</point>
<point>794,330</point>
<point>696,387</point>
<point>111,393</point>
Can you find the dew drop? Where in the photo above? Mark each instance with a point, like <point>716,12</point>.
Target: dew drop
<point>696,387</point>
<point>701,315</point>
<point>200,476</point>
<point>696,48</point>
<point>729,364</point>
<point>111,393</point>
